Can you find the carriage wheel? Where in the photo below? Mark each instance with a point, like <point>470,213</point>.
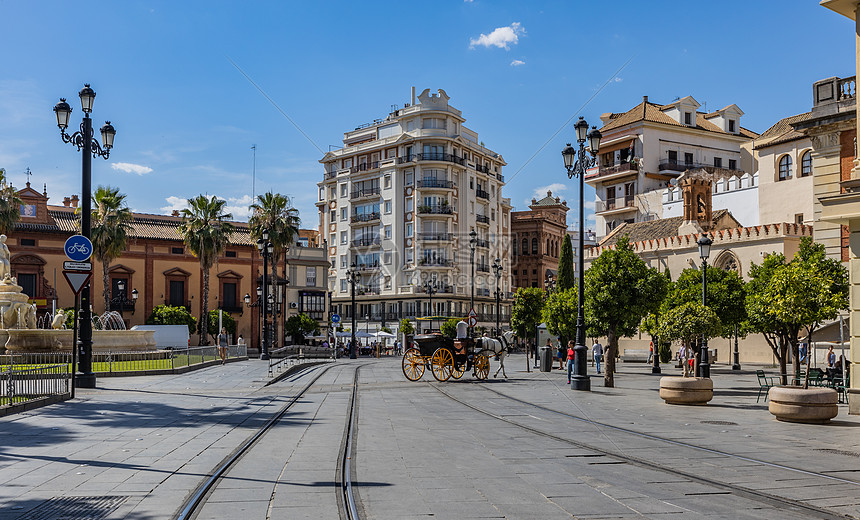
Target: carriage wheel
<point>459,370</point>
<point>442,364</point>
<point>482,366</point>
<point>413,364</point>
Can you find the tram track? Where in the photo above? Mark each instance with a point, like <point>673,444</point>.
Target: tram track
<point>736,489</point>
<point>345,497</point>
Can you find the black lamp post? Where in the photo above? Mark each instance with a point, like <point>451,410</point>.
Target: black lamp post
<point>266,249</point>
<point>430,289</point>
<point>84,141</point>
<point>473,242</point>
<point>497,270</point>
<point>549,283</point>
<point>352,274</point>
<point>704,252</point>
<point>736,365</point>
<point>120,300</point>
<point>577,162</point>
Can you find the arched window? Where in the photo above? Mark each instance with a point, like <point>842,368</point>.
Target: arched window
<point>806,164</point>
<point>534,246</point>
<point>548,250</point>
<point>515,247</point>
<point>525,246</point>
<point>784,167</point>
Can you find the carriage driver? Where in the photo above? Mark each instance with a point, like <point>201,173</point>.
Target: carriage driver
<point>462,337</point>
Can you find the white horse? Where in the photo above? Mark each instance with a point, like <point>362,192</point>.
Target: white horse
<point>499,347</point>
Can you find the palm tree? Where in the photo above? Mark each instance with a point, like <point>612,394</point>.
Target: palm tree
<point>9,205</point>
<point>110,228</point>
<point>206,231</point>
<point>275,212</point>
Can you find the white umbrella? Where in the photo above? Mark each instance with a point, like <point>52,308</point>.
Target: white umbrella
<point>363,334</point>
<point>383,334</point>
<point>343,334</point>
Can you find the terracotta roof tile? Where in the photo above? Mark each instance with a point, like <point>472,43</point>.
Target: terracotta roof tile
<point>782,131</point>
<point>647,111</point>
<point>653,229</point>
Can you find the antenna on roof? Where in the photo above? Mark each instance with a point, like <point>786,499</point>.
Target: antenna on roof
<point>254,175</point>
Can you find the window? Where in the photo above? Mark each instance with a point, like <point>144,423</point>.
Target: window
<point>27,242</point>
<point>343,237</point>
<point>471,183</point>
<point>798,219</point>
<point>688,118</point>
<point>343,284</point>
<point>673,157</point>
<point>230,254</point>
<point>386,257</point>
<point>311,276</point>
<point>343,263</point>
<point>433,122</point>
<point>534,246</point>
<point>322,193</point>
<point>409,257</point>
<point>332,215</point>
<point>688,159</point>
<point>731,125</point>
<point>492,214</point>
<point>344,212</point>
<point>407,178</point>
<point>176,251</point>
<point>409,204</point>
<point>387,207</point>
<point>343,190</point>
<point>27,281</point>
<point>347,163</point>
<point>228,296</point>
<point>409,229</point>
<point>332,193</point>
<point>387,181</point>
<point>718,162</point>
<point>525,246</point>
<point>332,239</point>
<point>784,168</point>
<point>733,164</point>
<point>388,232</point>
<point>176,298</point>
<point>806,164</point>
<point>514,249</point>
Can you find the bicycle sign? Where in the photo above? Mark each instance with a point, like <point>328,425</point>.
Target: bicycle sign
<point>78,248</point>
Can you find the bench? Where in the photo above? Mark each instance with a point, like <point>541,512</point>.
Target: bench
<point>635,355</point>
<point>765,383</point>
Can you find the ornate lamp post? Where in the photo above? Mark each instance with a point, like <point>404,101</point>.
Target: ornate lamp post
<point>430,289</point>
<point>549,283</point>
<point>84,141</point>
<point>704,252</point>
<point>577,162</point>
<point>352,274</point>
<point>121,299</point>
<point>473,242</point>
<point>497,270</point>
<point>266,249</point>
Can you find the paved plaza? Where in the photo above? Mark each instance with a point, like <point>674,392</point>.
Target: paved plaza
<point>137,447</point>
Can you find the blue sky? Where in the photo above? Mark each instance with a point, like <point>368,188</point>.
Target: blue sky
<point>186,118</point>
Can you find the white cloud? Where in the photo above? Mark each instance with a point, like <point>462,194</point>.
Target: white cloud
<point>517,63</point>
<point>618,80</point>
<point>174,203</point>
<point>238,206</point>
<point>540,191</point>
<point>501,37</point>
<point>589,205</point>
<point>131,168</point>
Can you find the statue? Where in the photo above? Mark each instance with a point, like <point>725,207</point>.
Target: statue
<point>5,256</point>
<point>59,321</point>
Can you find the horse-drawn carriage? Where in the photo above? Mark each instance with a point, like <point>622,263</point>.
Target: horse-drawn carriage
<point>445,357</point>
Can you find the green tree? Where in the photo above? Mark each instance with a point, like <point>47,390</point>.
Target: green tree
<point>726,294</point>
<point>526,312</point>
<point>274,212</point>
<point>300,326</point>
<point>559,313</point>
<point>169,315</point>
<point>785,297</point>
<point>566,274</point>
<point>10,205</point>
<point>111,225</point>
<point>406,329</point>
<point>617,296</point>
<point>206,231</point>
<point>688,322</point>
<point>227,321</point>
<point>449,328</point>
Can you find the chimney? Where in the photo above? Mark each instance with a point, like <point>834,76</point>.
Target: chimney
<point>413,96</point>
<point>74,201</point>
<point>645,98</point>
<point>175,213</point>
<point>67,201</point>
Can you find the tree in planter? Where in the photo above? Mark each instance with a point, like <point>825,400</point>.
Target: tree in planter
<point>726,295</point>
<point>227,322</point>
<point>618,294</point>
<point>688,322</point>
<point>658,286</point>
<point>559,314</point>
<point>526,311</point>
<point>169,315</point>
<point>449,328</point>
<point>785,297</point>
<point>300,326</point>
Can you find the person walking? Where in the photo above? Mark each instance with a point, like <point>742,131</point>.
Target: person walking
<point>222,345</point>
<point>561,355</point>
<point>650,351</point>
<point>597,354</point>
<point>570,357</point>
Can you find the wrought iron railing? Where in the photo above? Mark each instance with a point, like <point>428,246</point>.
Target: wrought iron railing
<point>436,209</point>
<point>365,192</point>
<point>435,183</point>
<point>436,237</point>
<point>481,194</point>
<point>365,217</point>
<point>482,219</point>
<point>366,241</point>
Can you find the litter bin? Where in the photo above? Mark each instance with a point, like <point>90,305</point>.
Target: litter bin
<point>546,359</point>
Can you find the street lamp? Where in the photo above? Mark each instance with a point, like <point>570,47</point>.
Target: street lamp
<point>497,270</point>
<point>352,274</point>
<point>577,162</point>
<point>549,283</point>
<point>266,300</point>
<point>120,300</point>
<point>84,141</point>
<point>704,252</point>
<point>473,241</point>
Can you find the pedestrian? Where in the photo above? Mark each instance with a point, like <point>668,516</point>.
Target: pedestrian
<point>570,356</point>
<point>222,345</point>
<point>650,351</point>
<point>561,354</point>
<point>802,353</point>
<point>597,354</point>
<point>534,348</point>
<point>241,340</point>
<point>831,359</point>
<point>682,358</point>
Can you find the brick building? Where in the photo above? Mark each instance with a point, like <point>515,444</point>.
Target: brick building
<point>536,237</point>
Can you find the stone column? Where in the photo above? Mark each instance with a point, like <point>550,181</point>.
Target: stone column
<point>853,353</point>
<point>826,182</point>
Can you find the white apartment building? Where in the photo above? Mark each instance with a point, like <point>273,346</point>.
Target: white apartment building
<point>646,147</point>
<point>399,201</point>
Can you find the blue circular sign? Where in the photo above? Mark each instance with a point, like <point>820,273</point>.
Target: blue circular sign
<point>78,248</point>
<point>335,318</point>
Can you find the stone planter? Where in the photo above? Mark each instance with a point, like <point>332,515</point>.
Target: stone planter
<point>686,390</point>
<point>815,405</point>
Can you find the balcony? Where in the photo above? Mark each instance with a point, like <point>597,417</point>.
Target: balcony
<point>443,157</point>
<point>367,266</point>
<point>435,237</point>
<point>480,242</point>
<point>364,193</point>
<point>435,209</point>
<point>436,183</point>
<point>364,167</point>
<point>500,177</point>
<point>483,268</point>
<point>441,289</point>
<point>331,175</point>
<point>483,292</point>
<point>365,217</point>
<point>481,194</point>
<point>435,262</point>
<point>616,205</point>
<point>366,242</point>
<point>366,290</point>
<point>482,169</point>
<point>675,166</point>
<point>482,219</point>
<point>615,171</point>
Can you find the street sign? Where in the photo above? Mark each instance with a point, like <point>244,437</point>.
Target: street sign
<point>473,321</point>
<point>77,279</point>
<point>335,318</point>
<point>473,314</point>
<point>78,248</point>
<point>77,266</point>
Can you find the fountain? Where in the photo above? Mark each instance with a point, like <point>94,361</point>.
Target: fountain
<point>20,331</point>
